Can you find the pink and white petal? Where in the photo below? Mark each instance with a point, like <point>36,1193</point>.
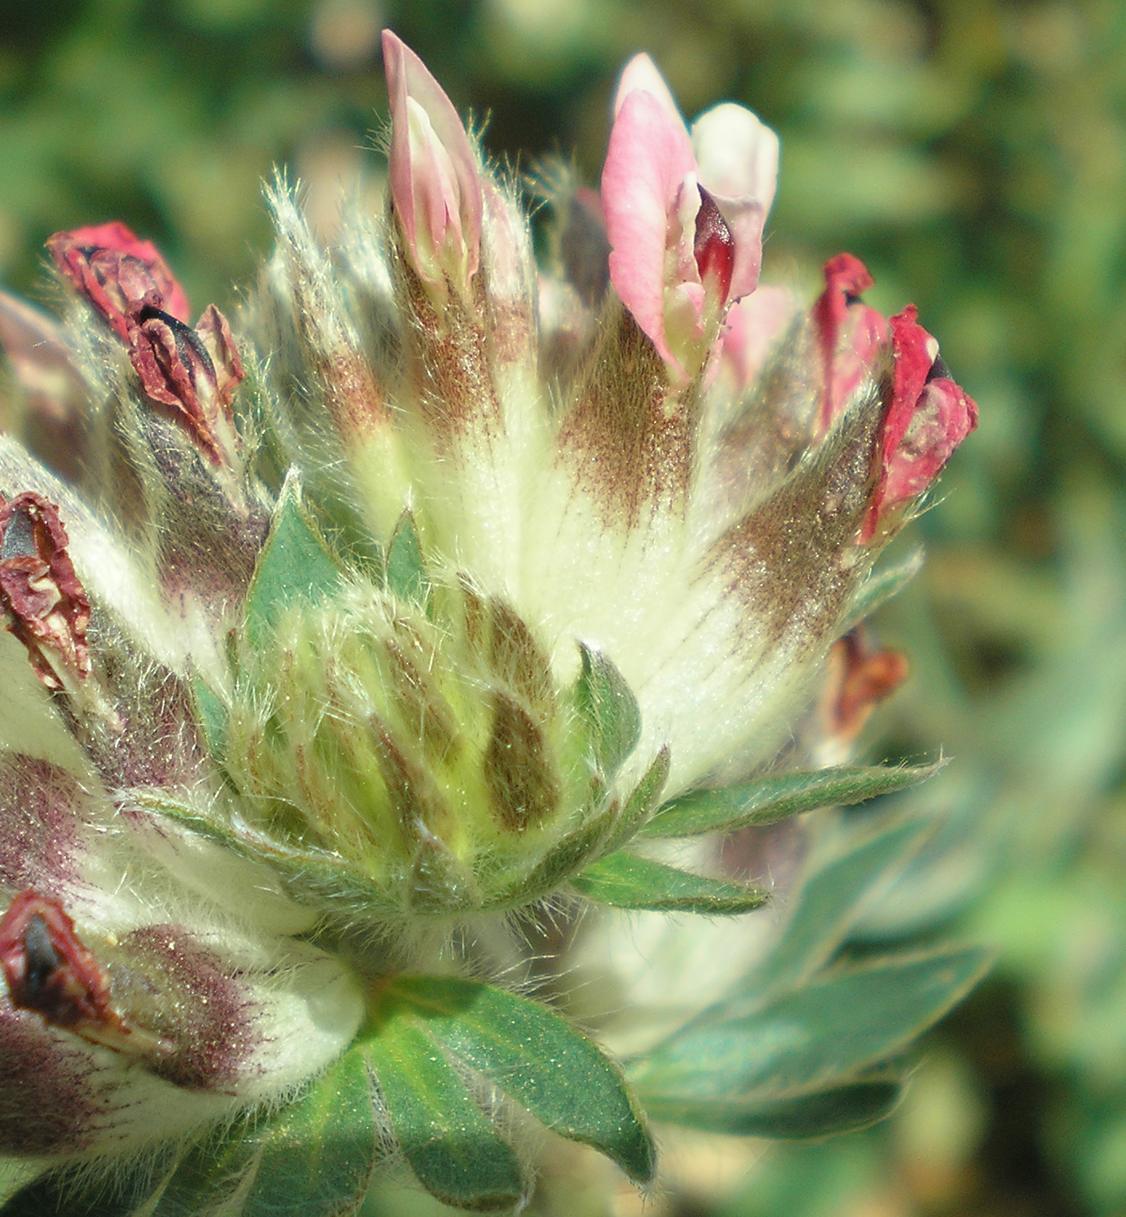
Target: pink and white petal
<point>737,154</point>
<point>738,160</point>
<point>647,161</point>
<point>642,75</point>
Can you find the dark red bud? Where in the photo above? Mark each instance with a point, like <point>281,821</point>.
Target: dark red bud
<point>714,246</point>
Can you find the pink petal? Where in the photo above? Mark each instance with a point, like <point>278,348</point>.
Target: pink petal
<point>849,333</point>
<point>647,162</point>
<point>433,171</point>
<point>754,325</point>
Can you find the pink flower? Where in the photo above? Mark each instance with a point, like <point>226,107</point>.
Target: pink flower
<point>849,334</point>
<point>435,185</point>
<point>684,212</point>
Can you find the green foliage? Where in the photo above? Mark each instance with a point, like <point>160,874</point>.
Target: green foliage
<point>610,708</point>
<point>406,570</point>
<point>801,1046</point>
<point>530,1054</point>
<point>450,1143</point>
<point>881,586</point>
<point>295,564</point>
<point>770,799</point>
<point>626,881</point>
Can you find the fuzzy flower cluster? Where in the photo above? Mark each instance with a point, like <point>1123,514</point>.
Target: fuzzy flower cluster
<point>412,592</point>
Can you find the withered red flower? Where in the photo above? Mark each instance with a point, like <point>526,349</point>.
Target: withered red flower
<point>118,273</point>
<point>929,416</point>
<point>858,677</point>
<point>45,602</point>
<point>194,371</point>
<point>50,971</point>
<point>849,333</point>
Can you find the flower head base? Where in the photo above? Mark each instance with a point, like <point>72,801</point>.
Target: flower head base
<point>483,574</point>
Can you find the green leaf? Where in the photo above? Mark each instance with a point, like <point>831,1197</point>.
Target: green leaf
<point>642,801</point>
<point>814,1114</point>
<point>211,714</point>
<point>406,570</point>
<point>835,893</point>
<point>209,1180</point>
<point>565,857</point>
<point>451,1145</point>
<point>535,1057</point>
<point>779,796</point>
<point>814,1037</point>
<point>626,881</point>
<point>880,587</point>
<point>295,563</point>
<point>610,709</point>
<point>317,1156</point>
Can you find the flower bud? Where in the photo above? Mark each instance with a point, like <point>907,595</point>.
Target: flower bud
<point>195,371</point>
<point>435,185</point>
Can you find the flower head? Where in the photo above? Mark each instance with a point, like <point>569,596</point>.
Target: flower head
<point>400,605</point>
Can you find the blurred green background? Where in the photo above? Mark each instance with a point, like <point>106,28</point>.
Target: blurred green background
<point>974,154</point>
